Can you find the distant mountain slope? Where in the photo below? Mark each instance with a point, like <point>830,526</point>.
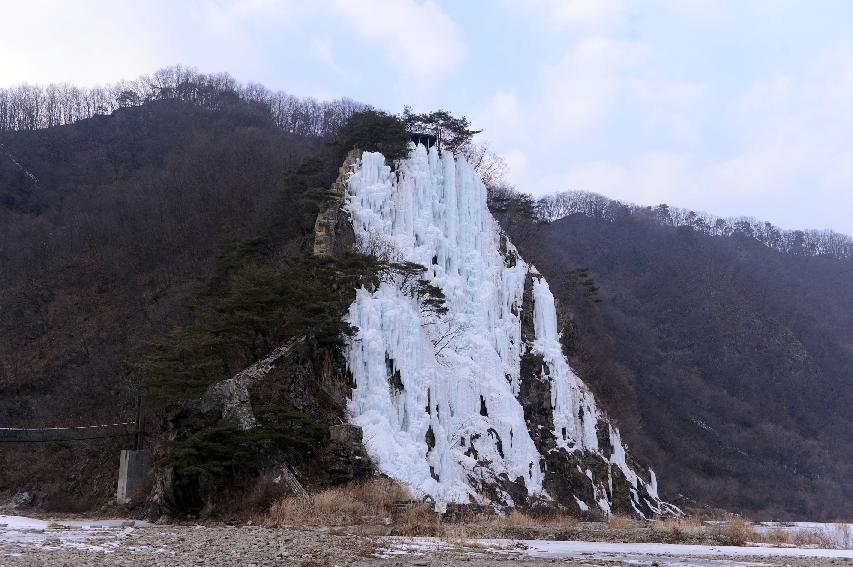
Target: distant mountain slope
<point>727,364</point>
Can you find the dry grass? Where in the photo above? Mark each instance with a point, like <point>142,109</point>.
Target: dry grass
<point>516,519</point>
<point>811,538</point>
<point>622,521</point>
<point>843,535</point>
<point>53,525</point>
<point>836,536</point>
<point>776,536</point>
<point>519,519</point>
<point>371,503</point>
<point>517,524</point>
<point>733,531</point>
<point>678,530</point>
<point>420,520</point>
<point>367,502</point>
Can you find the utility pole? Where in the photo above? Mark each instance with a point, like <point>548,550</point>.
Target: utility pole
<point>139,424</point>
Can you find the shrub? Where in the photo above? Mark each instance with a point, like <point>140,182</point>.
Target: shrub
<point>678,530</point>
<point>733,531</point>
<point>843,535</point>
<point>622,521</point>
<point>351,504</point>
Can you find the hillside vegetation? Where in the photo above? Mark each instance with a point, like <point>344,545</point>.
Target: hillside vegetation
<point>726,363</point>
<point>111,227</point>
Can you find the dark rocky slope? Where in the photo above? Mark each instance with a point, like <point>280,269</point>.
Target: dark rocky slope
<point>726,364</point>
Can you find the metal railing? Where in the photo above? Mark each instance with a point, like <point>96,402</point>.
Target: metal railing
<point>16,435</point>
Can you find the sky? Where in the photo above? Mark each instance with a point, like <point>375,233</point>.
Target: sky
<point>738,107</point>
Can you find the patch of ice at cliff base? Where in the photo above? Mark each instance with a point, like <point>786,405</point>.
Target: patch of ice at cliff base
<point>437,396</point>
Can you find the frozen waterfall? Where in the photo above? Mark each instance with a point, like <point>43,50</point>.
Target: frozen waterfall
<point>438,397</point>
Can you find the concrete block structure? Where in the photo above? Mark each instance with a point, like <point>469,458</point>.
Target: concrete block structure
<point>133,468</point>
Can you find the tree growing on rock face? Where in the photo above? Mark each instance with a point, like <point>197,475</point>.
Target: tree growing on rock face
<point>452,133</point>
<point>373,131</point>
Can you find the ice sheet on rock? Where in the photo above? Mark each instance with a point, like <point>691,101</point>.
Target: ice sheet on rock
<point>437,396</point>
<point>572,428</point>
<point>452,369</point>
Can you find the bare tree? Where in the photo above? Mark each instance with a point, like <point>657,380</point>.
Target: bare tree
<point>30,107</point>
<point>489,166</point>
<point>799,242</point>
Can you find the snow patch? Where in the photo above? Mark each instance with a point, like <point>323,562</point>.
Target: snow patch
<point>85,535</point>
<point>641,553</point>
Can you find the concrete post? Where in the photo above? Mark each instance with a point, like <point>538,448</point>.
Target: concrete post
<point>132,470</point>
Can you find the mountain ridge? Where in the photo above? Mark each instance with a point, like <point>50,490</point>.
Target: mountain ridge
<point>733,365</point>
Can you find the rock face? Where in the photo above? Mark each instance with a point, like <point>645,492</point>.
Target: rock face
<point>20,500</point>
<point>291,375</point>
<point>330,233</point>
<point>478,404</point>
<point>230,398</point>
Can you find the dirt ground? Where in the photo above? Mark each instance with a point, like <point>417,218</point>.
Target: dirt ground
<point>170,545</point>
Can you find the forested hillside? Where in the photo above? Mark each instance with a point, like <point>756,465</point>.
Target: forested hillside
<point>153,231</point>
<point>726,363</point>
<point>109,227</point>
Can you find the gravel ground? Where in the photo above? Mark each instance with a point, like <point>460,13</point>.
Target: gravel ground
<point>160,546</point>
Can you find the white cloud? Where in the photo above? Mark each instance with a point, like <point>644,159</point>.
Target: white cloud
<point>584,13</point>
<point>504,108</point>
<point>225,16</point>
<point>420,39</point>
<point>651,178</point>
<point>763,176</point>
<point>501,118</point>
<point>322,50</point>
<point>673,105</point>
<point>42,42</point>
<point>517,162</point>
<point>669,93</point>
<point>700,10</point>
<point>784,139</point>
<point>580,89</point>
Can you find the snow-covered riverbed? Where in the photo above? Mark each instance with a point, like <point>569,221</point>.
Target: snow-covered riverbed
<point>631,553</point>
<point>83,534</point>
<point>29,541</point>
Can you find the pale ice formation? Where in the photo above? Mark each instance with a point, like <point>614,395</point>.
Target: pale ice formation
<point>438,397</point>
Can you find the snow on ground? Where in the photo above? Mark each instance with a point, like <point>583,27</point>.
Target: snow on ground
<point>84,534</point>
<point>641,553</point>
<point>539,548</point>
